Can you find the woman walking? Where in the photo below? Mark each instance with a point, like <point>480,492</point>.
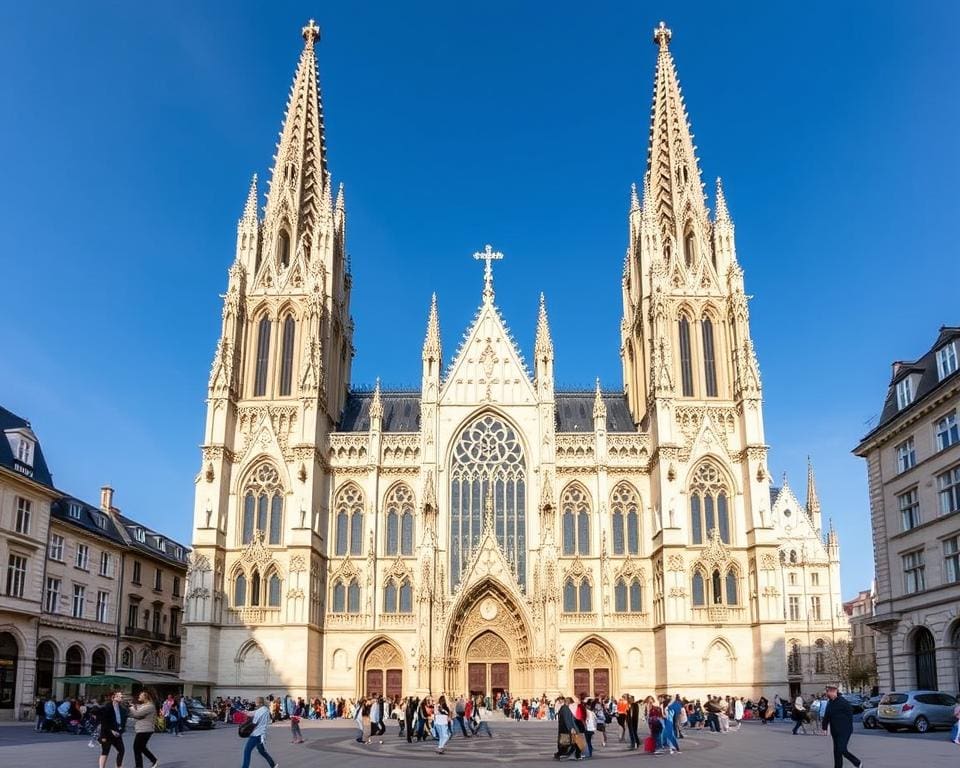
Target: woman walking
<point>145,715</point>
<point>441,722</point>
<point>258,739</point>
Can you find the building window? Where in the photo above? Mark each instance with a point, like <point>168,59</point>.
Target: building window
<point>948,431</point>
<point>925,659</point>
<point>946,360</point>
<point>158,580</point>
<point>176,586</point>
<point>904,393</point>
<point>106,564</point>
<point>628,596</point>
<point>708,505</point>
<point>625,517</point>
<point>906,455</point>
<point>56,547</point>
<point>686,360</point>
<point>140,535</point>
<point>794,608</point>
<point>398,596</point>
<point>819,667</point>
<point>73,510</point>
<point>286,359</point>
<point>951,559</point>
<point>263,505</point>
<point>815,608</point>
<point>136,572</point>
<point>913,572</point>
<point>100,520</point>
<point>709,358</point>
<point>792,578</point>
<point>51,598</point>
<point>699,590</point>
<point>103,607</point>
<point>16,575</point>
<point>909,505</point>
<point>731,588</point>
<point>576,521</point>
<point>25,451</point>
<point>23,516</point>
<point>174,623</point>
<point>577,597</point>
<point>399,509</point>
<point>240,591</point>
<point>793,659</point>
<point>133,614</point>
<point>263,358</point>
<point>79,595</point>
<point>82,560</point>
<point>349,533</point>
<point>273,591</point>
<point>948,491</point>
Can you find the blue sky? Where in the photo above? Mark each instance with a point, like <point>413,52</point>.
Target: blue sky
<point>131,133</point>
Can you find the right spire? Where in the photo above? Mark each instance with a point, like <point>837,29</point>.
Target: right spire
<point>813,501</point>
<point>673,174</point>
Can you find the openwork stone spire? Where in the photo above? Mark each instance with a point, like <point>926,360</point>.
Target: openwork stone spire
<point>722,215</point>
<point>543,345</point>
<point>250,207</point>
<point>813,500</point>
<point>299,177</point>
<point>431,344</point>
<point>674,175</point>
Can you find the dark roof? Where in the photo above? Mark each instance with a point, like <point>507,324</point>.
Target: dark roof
<point>929,381</point>
<point>774,492</point>
<point>574,412</point>
<point>39,472</point>
<point>401,412</point>
<point>89,514</point>
<point>149,545</point>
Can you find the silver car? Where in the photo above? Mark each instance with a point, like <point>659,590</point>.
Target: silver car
<point>921,710</point>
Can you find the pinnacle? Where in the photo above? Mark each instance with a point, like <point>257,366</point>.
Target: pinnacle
<point>634,199</point>
<point>599,407</point>
<point>813,500</point>
<point>722,214</point>
<point>431,344</point>
<point>341,204</point>
<point>543,345</point>
<point>250,207</point>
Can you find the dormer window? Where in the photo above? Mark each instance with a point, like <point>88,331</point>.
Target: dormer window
<point>946,360</point>
<point>73,510</point>
<point>904,392</point>
<point>179,553</point>
<point>25,451</point>
<point>22,445</point>
<point>140,535</point>
<point>161,544</point>
<point>100,520</point>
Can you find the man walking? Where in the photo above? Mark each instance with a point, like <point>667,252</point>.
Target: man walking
<point>838,717</point>
<point>409,715</point>
<point>461,710</point>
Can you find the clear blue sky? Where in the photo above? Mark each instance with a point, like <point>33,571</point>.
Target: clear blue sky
<point>130,132</point>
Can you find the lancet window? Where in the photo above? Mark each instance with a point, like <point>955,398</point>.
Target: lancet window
<point>398,596</point>
<point>577,595</point>
<point>399,510</point>
<point>240,590</point>
<point>718,588</point>
<point>349,521</point>
<point>793,658</point>
<point>625,519</point>
<point>346,596</point>
<point>709,357</point>
<point>488,470</point>
<point>628,595</point>
<point>576,521</point>
<point>263,505</point>
<point>262,366</point>
<point>686,360</point>
<point>286,361</point>
<point>709,504</point>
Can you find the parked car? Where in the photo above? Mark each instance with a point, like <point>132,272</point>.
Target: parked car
<point>870,717</point>
<point>921,710</point>
<point>199,717</point>
<point>855,700</point>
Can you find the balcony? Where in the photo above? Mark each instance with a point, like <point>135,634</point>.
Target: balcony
<point>138,632</point>
<point>253,616</point>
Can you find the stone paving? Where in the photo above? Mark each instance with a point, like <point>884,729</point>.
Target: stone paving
<point>332,743</point>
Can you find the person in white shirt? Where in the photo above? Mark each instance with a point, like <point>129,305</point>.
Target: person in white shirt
<point>799,715</point>
<point>258,739</point>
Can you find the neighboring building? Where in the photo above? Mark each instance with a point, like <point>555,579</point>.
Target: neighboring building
<point>810,564</point>
<point>26,492</point>
<point>913,470</point>
<point>862,635</point>
<point>487,531</point>
<point>65,583</point>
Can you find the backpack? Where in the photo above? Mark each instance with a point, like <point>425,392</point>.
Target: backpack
<point>246,728</point>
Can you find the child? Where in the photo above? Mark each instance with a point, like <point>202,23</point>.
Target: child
<point>295,729</point>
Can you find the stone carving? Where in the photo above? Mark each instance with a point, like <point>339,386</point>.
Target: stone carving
<point>675,563</point>
<point>297,564</point>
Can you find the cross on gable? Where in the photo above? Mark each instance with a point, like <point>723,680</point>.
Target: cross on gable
<point>488,255</point>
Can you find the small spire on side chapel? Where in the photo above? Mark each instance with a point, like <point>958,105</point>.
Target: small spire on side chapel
<point>376,406</point>
<point>250,207</point>
<point>543,345</point>
<point>634,198</point>
<point>341,201</point>
<point>813,500</point>
<point>431,343</point>
<point>722,215</point>
<point>599,407</point>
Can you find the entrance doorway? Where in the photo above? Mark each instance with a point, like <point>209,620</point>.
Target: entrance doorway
<point>383,671</point>
<point>488,666</point>
<point>591,670</point>
<point>9,653</point>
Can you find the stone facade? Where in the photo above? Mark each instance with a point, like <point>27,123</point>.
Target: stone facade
<point>489,531</point>
<point>913,473</point>
<point>862,636</point>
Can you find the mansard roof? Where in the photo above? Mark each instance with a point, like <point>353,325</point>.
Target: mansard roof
<point>401,411</point>
<point>151,542</point>
<point>88,520</point>
<point>39,472</point>
<point>575,411</point>
<point>929,381</point>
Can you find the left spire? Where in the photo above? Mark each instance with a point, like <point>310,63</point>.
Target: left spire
<point>299,176</point>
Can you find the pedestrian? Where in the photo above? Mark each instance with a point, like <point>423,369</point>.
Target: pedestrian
<point>633,721</point>
<point>295,730</point>
<point>145,715</point>
<point>838,717</point>
<point>477,723</point>
<point>258,739</point>
<point>762,707</point>
<point>566,732</point>
<point>113,719</point>
<point>409,715</point>
<point>799,715</point>
<point>441,721</point>
<point>182,714</point>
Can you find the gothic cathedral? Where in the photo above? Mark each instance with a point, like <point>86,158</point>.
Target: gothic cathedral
<point>490,532</point>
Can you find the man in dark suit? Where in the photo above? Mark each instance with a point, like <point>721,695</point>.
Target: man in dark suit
<point>112,717</point>
<point>838,717</point>
<point>409,714</point>
<point>633,722</point>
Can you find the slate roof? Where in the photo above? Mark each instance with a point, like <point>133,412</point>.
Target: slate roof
<point>149,545</point>
<point>774,492</point>
<point>574,412</point>
<point>39,472</point>
<point>928,384</point>
<point>401,412</point>
<point>89,515</point>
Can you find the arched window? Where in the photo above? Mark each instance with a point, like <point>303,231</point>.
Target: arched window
<point>172,663</point>
<point>585,597</point>
<point>255,588</point>
<point>689,247</point>
<point>709,358</point>
<point>349,534</point>
<point>628,596</point>
<point>818,658</point>
<point>263,505</point>
<point>620,596</point>
<point>398,596</point>
<point>406,597</point>
<point>625,511</point>
<point>283,248</point>
<point>793,659</point>
<point>488,468</point>
<point>708,504</point>
<point>576,521</point>
<point>577,595</point>
<point>399,508</point>
<point>126,658</point>
<point>925,659</point>
<point>716,588</point>
<point>390,597</point>
<point>339,597</point>
<point>686,359</point>
<point>286,361</point>
<point>273,591</point>
<point>569,596</point>
<point>98,662</point>
<point>731,587</point>
<point>263,357</point>
<point>240,591</point>
<point>353,597</point>
<point>699,590</point>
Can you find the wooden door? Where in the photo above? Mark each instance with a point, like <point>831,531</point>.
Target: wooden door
<point>477,679</point>
<point>374,682</point>
<point>500,676</point>
<point>581,682</point>
<point>394,683</point>
<point>601,682</point>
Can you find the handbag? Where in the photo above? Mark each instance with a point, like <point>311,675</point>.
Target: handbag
<point>246,728</point>
<point>580,740</point>
<point>564,740</point>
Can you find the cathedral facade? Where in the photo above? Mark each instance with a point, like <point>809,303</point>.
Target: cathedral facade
<point>490,532</point>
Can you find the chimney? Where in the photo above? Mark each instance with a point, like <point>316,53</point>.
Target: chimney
<point>106,498</point>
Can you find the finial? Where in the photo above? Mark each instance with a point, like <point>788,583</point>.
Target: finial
<point>311,33</point>
<point>662,35</point>
<point>634,198</point>
<point>376,407</point>
<point>722,214</point>
<point>488,255</point>
<point>340,205</point>
<point>599,407</point>
<point>250,208</point>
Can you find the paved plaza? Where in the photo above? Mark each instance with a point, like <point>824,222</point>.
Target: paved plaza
<point>332,743</point>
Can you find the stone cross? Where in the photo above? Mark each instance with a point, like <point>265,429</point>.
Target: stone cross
<point>311,32</point>
<point>488,255</point>
<point>662,35</point>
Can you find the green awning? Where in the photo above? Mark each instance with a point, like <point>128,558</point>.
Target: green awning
<point>103,680</point>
